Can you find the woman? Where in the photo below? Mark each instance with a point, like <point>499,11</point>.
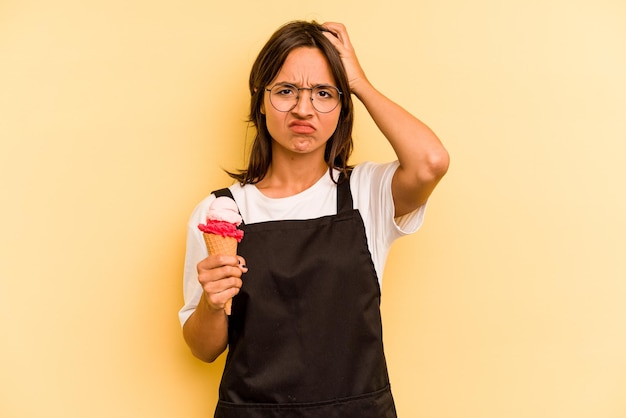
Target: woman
<point>305,335</point>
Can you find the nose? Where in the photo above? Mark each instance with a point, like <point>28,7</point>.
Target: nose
<point>304,105</point>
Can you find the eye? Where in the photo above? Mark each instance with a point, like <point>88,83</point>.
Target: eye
<point>285,91</point>
<point>325,92</point>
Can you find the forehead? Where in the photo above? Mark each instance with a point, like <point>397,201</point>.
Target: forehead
<point>305,66</point>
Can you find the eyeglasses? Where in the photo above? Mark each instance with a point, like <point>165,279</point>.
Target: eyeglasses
<point>284,97</point>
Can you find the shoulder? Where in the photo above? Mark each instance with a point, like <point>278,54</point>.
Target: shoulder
<point>368,176</point>
<point>198,215</point>
<point>370,169</point>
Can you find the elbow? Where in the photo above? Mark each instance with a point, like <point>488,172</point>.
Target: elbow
<point>435,167</point>
<point>205,354</point>
<point>205,357</point>
<point>205,349</point>
<point>413,185</point>
<point>442,163</point>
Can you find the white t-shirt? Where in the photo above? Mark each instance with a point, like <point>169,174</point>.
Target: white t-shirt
<point>370,184</point>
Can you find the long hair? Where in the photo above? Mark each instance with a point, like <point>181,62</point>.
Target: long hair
<point>266,67</point>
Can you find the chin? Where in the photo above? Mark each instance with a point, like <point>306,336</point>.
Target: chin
<point>303,145</point>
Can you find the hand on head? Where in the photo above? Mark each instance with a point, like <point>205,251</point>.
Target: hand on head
<point>338,36</point>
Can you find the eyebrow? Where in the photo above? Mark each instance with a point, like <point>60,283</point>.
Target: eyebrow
<point>282,83</point>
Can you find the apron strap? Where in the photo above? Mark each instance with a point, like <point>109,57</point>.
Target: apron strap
<point>344,195</point>
<point>225,192</point>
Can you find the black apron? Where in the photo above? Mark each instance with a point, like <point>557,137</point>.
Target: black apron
<point>305,334</point>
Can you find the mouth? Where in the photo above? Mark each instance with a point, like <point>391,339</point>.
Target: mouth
<point>301,127</point>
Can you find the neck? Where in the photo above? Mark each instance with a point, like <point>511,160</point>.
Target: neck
<point>284,179</point>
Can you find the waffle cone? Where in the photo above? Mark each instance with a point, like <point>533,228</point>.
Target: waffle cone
<point>217,244</point>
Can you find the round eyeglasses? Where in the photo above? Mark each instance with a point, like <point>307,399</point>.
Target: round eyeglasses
<point>284,97</point>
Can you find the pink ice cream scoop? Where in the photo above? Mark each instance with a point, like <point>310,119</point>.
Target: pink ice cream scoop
<point>223,219</point>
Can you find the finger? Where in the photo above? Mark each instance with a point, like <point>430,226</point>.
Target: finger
<point>218,260</point>
<point>338,30</point>
<point>226,285</point>
<point>334,40</point>
<point>218,300</point>
<point>242,264</point>
<point>334,27</point>
<point>218,279</point>
<point>219,273</point>
<point>340,40</point>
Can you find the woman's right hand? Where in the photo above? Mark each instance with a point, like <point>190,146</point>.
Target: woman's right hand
<point>206,330</point>
<point>220,278</point>
<point>338,36</point>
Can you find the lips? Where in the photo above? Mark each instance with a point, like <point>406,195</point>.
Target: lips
<point>302,127</point>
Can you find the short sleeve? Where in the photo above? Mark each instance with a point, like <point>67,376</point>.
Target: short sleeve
<point>195,252</point>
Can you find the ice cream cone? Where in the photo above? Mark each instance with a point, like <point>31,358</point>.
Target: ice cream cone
<point>217,244</point>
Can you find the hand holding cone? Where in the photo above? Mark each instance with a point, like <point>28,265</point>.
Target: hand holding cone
<point>220,232</point>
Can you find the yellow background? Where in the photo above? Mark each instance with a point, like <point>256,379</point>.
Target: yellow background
<point>116,118</point>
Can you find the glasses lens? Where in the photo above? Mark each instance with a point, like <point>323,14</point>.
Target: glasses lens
<point>325,98</point>
<point>285,97</point>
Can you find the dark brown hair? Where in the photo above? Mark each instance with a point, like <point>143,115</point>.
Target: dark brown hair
<point>268,63</point>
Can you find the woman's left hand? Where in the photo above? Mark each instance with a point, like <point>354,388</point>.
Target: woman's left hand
<point>338,36</point>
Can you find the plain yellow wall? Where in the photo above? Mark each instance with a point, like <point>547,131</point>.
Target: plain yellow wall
<point>116,118</point>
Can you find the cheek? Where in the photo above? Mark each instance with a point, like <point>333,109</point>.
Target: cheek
<point>273,118</point>
<point>332,122</point>
<point>274,122</point>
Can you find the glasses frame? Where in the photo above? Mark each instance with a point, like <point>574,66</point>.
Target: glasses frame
<point>298,96</point>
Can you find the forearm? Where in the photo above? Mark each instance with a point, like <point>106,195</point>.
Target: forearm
<point>417,147</point>
<point>206,332</point>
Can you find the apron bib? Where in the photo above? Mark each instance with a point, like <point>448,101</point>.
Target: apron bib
<point>305,334</point>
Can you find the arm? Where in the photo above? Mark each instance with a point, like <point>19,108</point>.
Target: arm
<point>423,159</point>
<point>206,330</point>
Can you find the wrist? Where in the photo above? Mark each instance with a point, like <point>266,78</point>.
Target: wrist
<point>362,88</point>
